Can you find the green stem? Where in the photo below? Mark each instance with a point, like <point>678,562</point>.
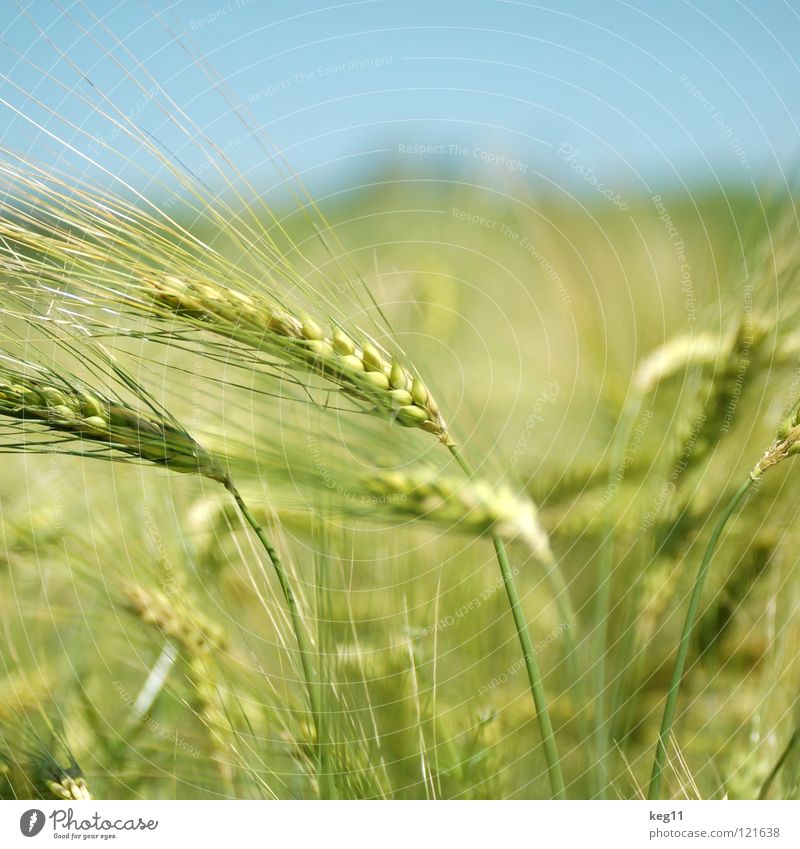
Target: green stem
<point>303,642</point>
<point>566,613</point>
<point>529,654</point>
<point>683,647</point>
<point>602,724</point>
<point>784,756</point>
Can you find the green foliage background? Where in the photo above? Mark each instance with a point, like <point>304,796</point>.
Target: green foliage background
<point>531,321</point>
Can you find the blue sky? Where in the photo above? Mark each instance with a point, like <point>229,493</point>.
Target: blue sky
<point>639,94</point>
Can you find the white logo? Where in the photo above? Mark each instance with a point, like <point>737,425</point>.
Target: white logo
<point>31,822</point>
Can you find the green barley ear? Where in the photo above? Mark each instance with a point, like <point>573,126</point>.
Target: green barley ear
<point>167,288</point>
<point>175,619</point>
<point>356,363</point>
<point>54,409</point>
<point>57,408</point>
<point>198,639</point>
<point>312,464</point>
<point>472,506</point>
<point>124,259</point>
<point>786,443</point>
<point>720,354</point>
<point>69,788</point>
<point>38,766</point>
<point>675,356</point>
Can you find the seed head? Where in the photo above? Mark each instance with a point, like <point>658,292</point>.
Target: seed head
<point>70,789</point>
<point>474,505</point>
<point>786,444</point>
<point>359,367</point>
<point>175,619</point>
<point>62,405</point>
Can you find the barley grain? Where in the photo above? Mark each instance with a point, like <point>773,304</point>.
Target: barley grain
<point>69,789</point>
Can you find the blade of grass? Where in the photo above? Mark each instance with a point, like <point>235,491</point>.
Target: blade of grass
<point>303,642</point>
<point>605,571</point>
<point>528,653</point>
<point>783,757</point>
<point>654,789</point>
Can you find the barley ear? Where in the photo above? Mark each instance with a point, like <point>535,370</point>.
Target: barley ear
<point>175,619</point>
<point>356,363</point>
<point>62,405</point>
<point>70,789</point>
<point>786,444</point>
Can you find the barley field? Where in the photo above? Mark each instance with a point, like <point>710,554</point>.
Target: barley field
<point>425,487</point>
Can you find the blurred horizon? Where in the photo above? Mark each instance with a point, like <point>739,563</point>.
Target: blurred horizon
<point>615,99</point>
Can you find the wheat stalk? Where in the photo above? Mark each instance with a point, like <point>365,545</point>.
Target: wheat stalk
<point>362,371</point>
<point>474,507</point>
<point>675,356</point>
<point>719,359</point>
<point>30,767</point>
<point>115,254</point>
<point>87,235</point>
<point>786,444</point>
<point>35,398</point>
